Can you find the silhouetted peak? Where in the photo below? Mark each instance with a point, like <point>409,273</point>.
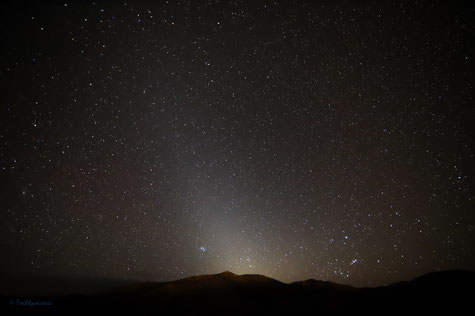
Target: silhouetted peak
<point>434,281</point>
<point>318,284</point>
<point>227,274</point>
<point>311,282</point>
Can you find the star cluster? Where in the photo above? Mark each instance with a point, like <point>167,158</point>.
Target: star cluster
<point>291,139</point>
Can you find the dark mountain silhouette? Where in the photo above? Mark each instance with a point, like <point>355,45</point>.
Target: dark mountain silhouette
<point>449,292</point>
<point>321,285</point>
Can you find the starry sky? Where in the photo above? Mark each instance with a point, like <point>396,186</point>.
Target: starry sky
<point>294,139</point>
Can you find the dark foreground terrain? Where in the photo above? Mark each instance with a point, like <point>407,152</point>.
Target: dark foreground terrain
<point>446,293</point>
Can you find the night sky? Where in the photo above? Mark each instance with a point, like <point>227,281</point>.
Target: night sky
<point>292,139</point>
